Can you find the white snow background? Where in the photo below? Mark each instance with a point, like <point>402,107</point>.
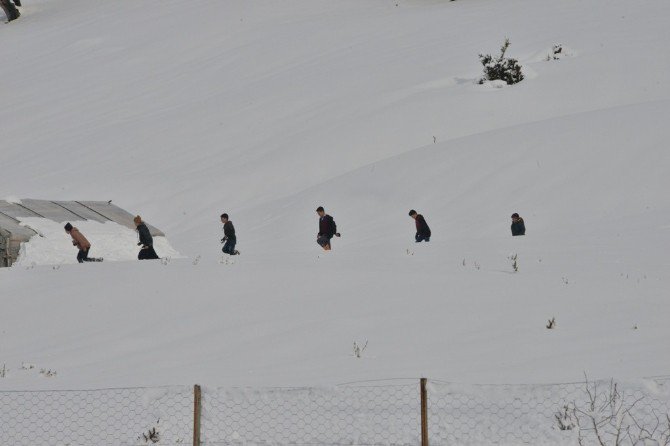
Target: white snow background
<point>265,110</point>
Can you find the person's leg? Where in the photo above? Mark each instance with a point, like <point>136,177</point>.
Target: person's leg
<point>151,253</point>
<point>10,10</point>
<point>232,247</point>
<point>226,247</point>
<point>81,255</point>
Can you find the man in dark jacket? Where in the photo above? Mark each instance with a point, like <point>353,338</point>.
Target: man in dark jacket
<point>518,226</point>
<point>422,229</point>
<point>229,239</point>
<point>147,251</point>
<point>10,10</point>
<point>327,229</point>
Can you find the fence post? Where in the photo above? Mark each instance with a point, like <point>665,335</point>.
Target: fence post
<point>197,408</point>
<point>424,413</point>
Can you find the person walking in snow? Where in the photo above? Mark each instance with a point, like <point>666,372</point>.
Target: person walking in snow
<point>422,229</point>
<point>229,239</point>
<point>327,229</point>
<point>10,10</point>
<point>147,251</point>
<point>518,226</point>
<point>80,242</point>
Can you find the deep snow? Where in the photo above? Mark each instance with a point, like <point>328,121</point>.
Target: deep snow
<point>266,110</point>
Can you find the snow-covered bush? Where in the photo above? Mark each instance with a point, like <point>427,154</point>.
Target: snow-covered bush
<point>501,68</point>
<point>556,52</point>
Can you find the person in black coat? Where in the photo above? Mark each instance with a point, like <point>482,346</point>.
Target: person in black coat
<point>147,251</point>
<point>422,229</point>
<point>518,226</point>
<point>327,229</point>
<point>229,239</point>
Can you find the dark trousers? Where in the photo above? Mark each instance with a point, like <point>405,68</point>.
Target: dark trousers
<point>323,240</point>
<point>147,253</point>
<point>82,256</point>
<point>10,10</point>
<point>421,238</point>
<point>229,246</point>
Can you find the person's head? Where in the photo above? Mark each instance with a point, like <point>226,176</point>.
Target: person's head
<point>320,211</point>
<point>137,220</point>
<point>224,218</point>
<point>515,217</point>
<point>68,227</point>
<point>413,213</point>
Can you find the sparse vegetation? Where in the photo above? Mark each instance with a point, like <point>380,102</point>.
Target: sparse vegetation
<point>358,350</point>
<point>151,436</point>
<point>556,52</point>
<point>609,418</point>
<point>514,260</point>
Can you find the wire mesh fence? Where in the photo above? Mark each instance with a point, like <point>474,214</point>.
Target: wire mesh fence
<point>381,414</point>
<point>371,413</point>
<point>555,414</point>
<point>124,417</point>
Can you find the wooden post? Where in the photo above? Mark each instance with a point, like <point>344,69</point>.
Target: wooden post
<point>197,408</point>
<point>424,413</point>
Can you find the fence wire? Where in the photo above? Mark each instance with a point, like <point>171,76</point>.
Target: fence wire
<point>372,413</point>
<point>110,417</point>
<point>557,414</point>
<point>342,415</point>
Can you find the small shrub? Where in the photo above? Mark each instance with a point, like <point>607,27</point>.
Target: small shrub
<point>610,417</point>
<point>358,350</point>
<point>501,68</point>
<point>556,52</point>
<point>514,260</point>
<point>565,418</point>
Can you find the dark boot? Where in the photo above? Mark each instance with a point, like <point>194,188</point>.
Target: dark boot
<point>10,10</point>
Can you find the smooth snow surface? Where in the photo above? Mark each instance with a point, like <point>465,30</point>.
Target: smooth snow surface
<point>266,110</point>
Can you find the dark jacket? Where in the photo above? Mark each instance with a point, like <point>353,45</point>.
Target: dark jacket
<point>229,230</point>
<point>327,226</point>
<point>145,236</point>
<point>421,226</point>
<point>518,227</point>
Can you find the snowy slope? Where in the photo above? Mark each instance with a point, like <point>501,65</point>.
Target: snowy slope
<point>269,109</point>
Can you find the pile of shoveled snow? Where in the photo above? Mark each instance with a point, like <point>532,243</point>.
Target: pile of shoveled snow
<point>109,240</point>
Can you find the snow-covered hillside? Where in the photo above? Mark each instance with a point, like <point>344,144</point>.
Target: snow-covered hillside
<point>266,110</point>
